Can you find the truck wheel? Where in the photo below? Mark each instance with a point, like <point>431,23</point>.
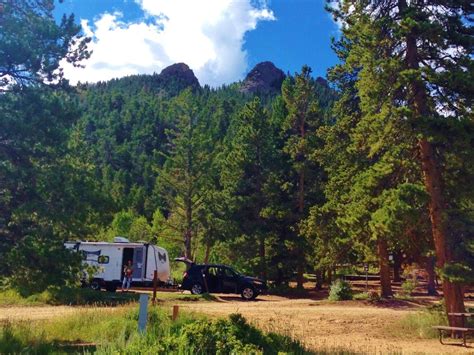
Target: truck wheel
<point>248,293</point>
<point>95,285</point>
<point>196,289</point>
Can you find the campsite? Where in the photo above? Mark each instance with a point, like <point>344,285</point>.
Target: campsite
<point>236,177</point>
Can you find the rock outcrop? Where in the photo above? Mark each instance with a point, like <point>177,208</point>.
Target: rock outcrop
<point>264,78</point>
<point>179,74</point>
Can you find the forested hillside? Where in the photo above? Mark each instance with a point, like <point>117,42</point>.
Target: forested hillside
<point>201,171</point>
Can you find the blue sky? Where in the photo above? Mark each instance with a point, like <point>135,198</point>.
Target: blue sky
<point>221,40</point>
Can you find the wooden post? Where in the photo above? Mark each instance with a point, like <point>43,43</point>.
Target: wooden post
<point>155,281</point>
<point>175,312</point>
<point>143,313</point>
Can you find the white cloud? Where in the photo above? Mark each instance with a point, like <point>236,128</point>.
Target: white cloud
<point>208,35</point>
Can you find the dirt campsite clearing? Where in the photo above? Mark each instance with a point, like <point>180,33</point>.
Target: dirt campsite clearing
<point>351,325</point>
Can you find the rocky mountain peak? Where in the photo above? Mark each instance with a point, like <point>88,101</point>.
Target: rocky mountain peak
<point>181,74</point>
<point>264,78</point>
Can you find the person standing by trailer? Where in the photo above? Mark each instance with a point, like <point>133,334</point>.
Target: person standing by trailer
<point>127,276</point>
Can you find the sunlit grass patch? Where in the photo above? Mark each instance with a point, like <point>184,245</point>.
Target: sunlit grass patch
<point>420,324</point>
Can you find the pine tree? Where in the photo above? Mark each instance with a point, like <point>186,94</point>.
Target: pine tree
<point>424,70</point>
<point>32,44</point>
<point>183,182</point>
<point>299,130</point>
<point>245,176</point>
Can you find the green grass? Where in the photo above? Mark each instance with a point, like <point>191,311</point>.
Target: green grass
<point>420,324</point>
<point>179,296</point>
<point>114,330</point>
<point>66,296</point>
<point>85,296</point>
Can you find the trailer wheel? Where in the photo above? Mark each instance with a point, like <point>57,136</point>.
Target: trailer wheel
<point>111,288</point>
<point>95,285</point>
<point>196,289</point>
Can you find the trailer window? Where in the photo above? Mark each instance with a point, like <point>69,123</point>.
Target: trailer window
<point>103,259</point>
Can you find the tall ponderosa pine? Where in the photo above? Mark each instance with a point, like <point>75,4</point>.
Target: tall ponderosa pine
<point>427,73</point>
<point>299,131</point>
<point>183,182</point>
<point>44,195</point>
<point>245,176</point>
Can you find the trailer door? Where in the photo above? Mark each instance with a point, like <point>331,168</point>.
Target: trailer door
<point>138,265</point>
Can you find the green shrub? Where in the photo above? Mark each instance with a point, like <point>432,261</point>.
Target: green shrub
<point>408,286</point>
<point>233,336</point>
<point>361,296</point>
<point>371,296</point>
<point>340,290</point>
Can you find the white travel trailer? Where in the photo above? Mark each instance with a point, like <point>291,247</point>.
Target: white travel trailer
<point>110,259</point>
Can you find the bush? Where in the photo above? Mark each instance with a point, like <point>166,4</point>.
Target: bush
<point>361,296</point>
<point>29,277</point>
<point>233,336</point>
<point>340,290</point>
<point>408,286</point>
<point>371,296</point>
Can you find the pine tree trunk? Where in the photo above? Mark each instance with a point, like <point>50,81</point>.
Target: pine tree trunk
<point>430,269</point>
<point>188,233</point>
<point>385,283</point>
<point>301,254</point>
<point>208,252</point>
<point>397,263</point>
<point>300,273</point>
<point>329,276</point>
<point>453,294</point>
<point>279,279</point>
<point>263,264</point>
<point>301,185</point>
<point>319,280</point>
